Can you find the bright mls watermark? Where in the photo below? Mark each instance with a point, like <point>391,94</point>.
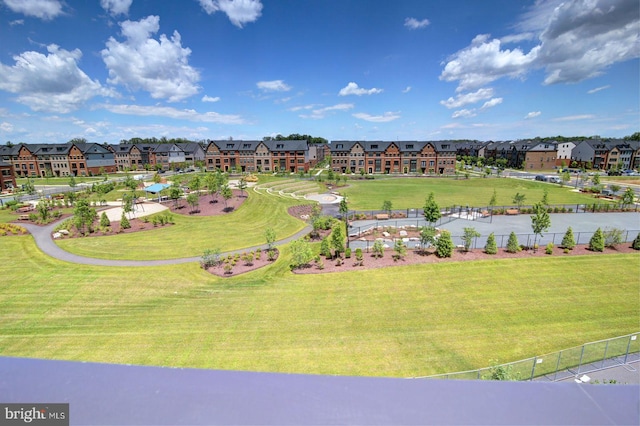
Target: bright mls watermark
<point>34,414</point>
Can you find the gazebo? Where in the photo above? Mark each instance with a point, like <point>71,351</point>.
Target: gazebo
<point>156,188</point>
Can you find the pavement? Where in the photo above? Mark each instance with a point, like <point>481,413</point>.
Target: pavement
<point>43,239</point>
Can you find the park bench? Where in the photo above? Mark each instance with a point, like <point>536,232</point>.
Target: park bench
<point>23,217</point>
<point>382,216</point>
<point>512,211</point>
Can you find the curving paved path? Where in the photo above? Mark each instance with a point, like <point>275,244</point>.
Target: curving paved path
<point>44,241</point>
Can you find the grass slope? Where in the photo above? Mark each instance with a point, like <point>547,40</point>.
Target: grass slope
<point>401,321</point>
<point>191,236</point>
<point>411,192</point>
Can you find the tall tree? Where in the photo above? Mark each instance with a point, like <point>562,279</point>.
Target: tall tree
<point>337,239</point>
<point>540,221</point>
<point>431,210</point>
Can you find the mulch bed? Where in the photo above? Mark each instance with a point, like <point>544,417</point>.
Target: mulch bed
<point>417,257</point>
<point>210,206</point>
<point>241,266</point>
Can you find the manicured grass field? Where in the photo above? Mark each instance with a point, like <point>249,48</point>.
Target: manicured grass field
<point>191,236</point>
<point>411,192</point>
<point>401,321</point>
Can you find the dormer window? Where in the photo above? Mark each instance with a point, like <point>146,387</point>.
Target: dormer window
<point>229,146</point>
<point>374,146</point>
<point>280,146</point>
<point>410,146</point>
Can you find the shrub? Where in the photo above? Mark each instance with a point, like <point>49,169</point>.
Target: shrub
<point>211,257</point>
<point>124,222</point>
<point>613,237</point>
<point>636,243</point>
<point>444,246</point>
<point>325,248</point>
<point>104,220</point>
<point>378,249</point>
<point>359,257</point>
<point>568,241</point>
<point>347,253</point>
<point>567,251</point>
<point>491,247</point>
<point>549,248</point>
<point>513,246</point>
<point>400,250</point>
<point>596,243</point>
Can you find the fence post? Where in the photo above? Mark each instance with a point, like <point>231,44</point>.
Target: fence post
<point>555,374</point>
<point>533,369</point>
<point>605,354</point>
<point>628,346</point>
<point>580,362</point>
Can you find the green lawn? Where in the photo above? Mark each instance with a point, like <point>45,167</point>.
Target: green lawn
<point>191,236</point>
<point>411,192</point>
<point>401,321</point>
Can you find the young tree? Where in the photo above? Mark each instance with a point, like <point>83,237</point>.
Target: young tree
<point>444,246</point>
<point>344,212</point>
<point>195,184</point>
<point>387,206</point>
<point>513,246</point>
<point>104,221</point>
<point>628,197</point>
<point>124,222</point>
<point>175,193</point>
<point>226,194</point>
<point>565,178</point>
<point>431,210</point>
<point>242,185</point>
<point>568,241</point>
<point>469,235</point>
<point>494,198</point>
<point>43,210</point>
<point>325,248</point>
<point>270,236</point>
<point>427,236</point>
<point>596,243</point>
<point>72,181</point>
<point>337,239</point>
<point>613,237</point>
<point>518,200</point>
<point>378,249</point>
<point>400,249</point>
<point>193,200</point>
<point>540,221</point>
<point>301,253</point>
<point>83,215</point>
<point>545,197</point>
<point>596,179</point>
<point>491,247</point>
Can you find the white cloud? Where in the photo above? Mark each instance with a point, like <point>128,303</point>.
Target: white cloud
<point>43,9</point>
<point>16,22</point>
<point>302,107</point>
<point>468,98</point>
<point>320,113</point>
<point>116,7</point>
<point>414,24</point>
<point>384,118</point>
<point>50,82</point>
<point>239,12</point>
<point>464,113</point>
<point>353,89</point>
<point>159,67</point>
<point>575,117</point>
<point>407,89</point>
<point>207,98</point>
<point>532,114</point>
<point>491,103</point>
<point>597,89</point>
<point>170,112</point>
<point>484,62</point>
<point>577,40</point>
<point>6,127</point>
<point>273,86</point>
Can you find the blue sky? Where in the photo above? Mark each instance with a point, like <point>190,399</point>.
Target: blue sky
<point>107,70</point>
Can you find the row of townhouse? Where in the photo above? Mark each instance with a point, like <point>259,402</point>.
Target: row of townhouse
<point>70,159</point>
<point>425,157</point>
<point>433,158</point>
<point>536,155</point>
